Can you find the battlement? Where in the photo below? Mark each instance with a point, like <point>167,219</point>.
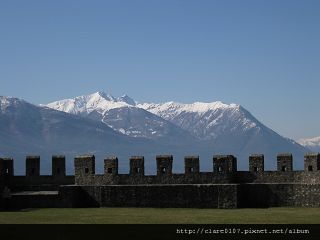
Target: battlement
<point>256,163</point>
<point>137,165</point>
<point>284,162</point>
<point>164,164</point>
<point>312,162</point>
<point>223,186</point>
<point>224,170</point>
<point>191,165</point>
<point>85,165</point>
<point>32,179</point>
<point>224,163</point>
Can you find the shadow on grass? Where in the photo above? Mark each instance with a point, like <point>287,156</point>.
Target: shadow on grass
<point>20,210</point>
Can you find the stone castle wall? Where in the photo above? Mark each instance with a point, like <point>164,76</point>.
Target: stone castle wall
<point>170,195</point>
<point>224,171</point>
<point>223,187</point>
<point>32,179</point>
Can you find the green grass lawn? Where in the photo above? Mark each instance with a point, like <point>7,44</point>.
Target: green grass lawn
<point>162,215</point>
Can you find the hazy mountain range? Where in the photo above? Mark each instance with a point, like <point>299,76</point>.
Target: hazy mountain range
<point>104,125</point>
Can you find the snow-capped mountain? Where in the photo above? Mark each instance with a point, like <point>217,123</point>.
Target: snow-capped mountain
<point>122,115</point>
<point>125,98</point>
<point>228,128</point>
<point>99,102</point>
<point>28,129</point>
<point>311,143</point>
<point>205,121</point>
<point>207,128</point>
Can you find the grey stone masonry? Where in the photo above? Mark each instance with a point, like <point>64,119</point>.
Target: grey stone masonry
<point>58,165</point>
<point>312,162</point>
<point>111,166</point>
<point>224,164</point>
<point>158,195</point>
<point>256,163</point>
<point>191,165</point>
<point>84,165</point>
<point>284,162</point>
<point>32,166</point>
<point>137,166</point>
<point>164,164</point>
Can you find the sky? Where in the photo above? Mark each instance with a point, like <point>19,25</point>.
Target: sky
<point>262,54</point>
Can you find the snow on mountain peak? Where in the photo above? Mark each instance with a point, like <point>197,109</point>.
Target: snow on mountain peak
<point>104,95</point>
<point>202,120</point>
<point>225,128</point>
<point>125,98</point>
<point>205,120</point>
<point>6,102</point>
<point>196,107</point>
<point>202,107</point>
<point>121,114</point>
<point>98,101</point>
<point>310,142</point>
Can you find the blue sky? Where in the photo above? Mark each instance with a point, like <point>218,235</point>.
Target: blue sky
<point>262,54</point>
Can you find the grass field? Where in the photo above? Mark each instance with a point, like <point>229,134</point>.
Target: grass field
<point>163,215</point>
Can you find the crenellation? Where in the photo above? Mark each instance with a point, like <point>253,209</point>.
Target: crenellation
<point>223,187</point>
<point>58,165</point>
<point>256,163</point>
<point>164,165</point>
<point>191,165</point>
<point>32,166</point>
<point>284,162</point>
<point>224,164</point>
<point>84,165</point>
<point>312,162</point>
<point>111,166</point>
<point>84,169</point>
<point>137,166</point>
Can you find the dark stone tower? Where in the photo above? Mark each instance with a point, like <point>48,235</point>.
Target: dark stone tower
<point>137,166</point>
<point>164,165</point>
<point>224,164</point>
<point>312,162</point>
<point>84,165</point>
<point>284,162</point>
<point>256,163</point>
<point>111,166</point>
<point>32,166</point>
<point>58,165</point>
<point>191,165</point>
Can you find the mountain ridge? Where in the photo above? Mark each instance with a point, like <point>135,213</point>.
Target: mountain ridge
<point>119,115</point>
<point>221,127</point>
<point>26,128</point>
